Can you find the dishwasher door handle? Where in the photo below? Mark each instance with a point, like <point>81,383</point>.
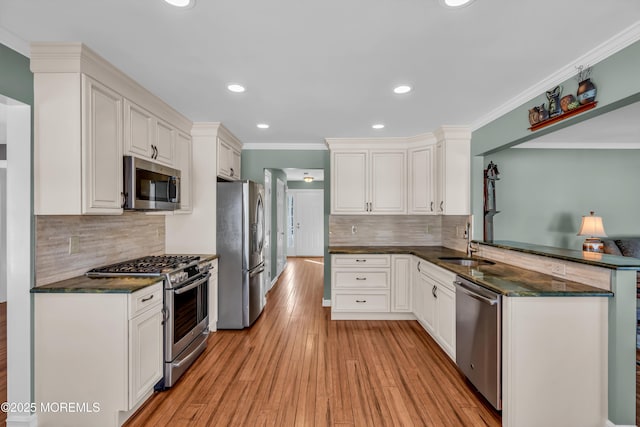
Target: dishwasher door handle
<point>474,295</point>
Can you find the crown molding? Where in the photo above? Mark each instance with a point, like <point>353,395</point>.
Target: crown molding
<point>615,44</point>
<point>75,57</point>
<point>204,129</point>
<point>14,42</point>
<point>285,146</point>
<point>580,145</point>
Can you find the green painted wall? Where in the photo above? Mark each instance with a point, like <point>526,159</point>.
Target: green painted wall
<point>301,185</point>
<point>542,194</point>
<point>254,162</point>
<point>16,79</point>
<point>616,78</point>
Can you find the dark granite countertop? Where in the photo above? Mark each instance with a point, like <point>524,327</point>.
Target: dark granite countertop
<point>105,285</point>
<point>503,278</point>
<point>591,258</point>
<point>102,285</point>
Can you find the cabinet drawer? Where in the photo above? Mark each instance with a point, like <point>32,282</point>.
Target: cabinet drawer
<point>361,302</point>
<point>142,300</point>
<point>438,274</point>
<point>366,278</point>
<point>361,261</point>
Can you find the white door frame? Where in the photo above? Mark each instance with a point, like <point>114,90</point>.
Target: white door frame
<point>281,211</point>
<point>19,259</point>
<point>268,283</point>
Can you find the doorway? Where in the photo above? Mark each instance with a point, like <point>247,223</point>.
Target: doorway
<point>281,220</point>
<point>267,231</point>
<point>305,223</point>
<point>17,260</point>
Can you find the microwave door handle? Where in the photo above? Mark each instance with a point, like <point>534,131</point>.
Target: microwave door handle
<point>177,189</point>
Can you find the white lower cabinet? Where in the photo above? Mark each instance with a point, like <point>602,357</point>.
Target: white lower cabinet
<point>371,286</point>
<point>434,303</point>
<point>401,283</point>
<point>102,351</point>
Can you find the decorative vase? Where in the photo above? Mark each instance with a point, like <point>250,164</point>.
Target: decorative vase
<point>586,91</point>
<point>534,116</point>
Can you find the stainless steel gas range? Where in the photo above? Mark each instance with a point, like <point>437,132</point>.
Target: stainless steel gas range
<point>186,312</point>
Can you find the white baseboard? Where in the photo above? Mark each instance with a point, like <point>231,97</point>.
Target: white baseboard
<point>610,424</point>
<point>326,302</point>
<point>22,420</point>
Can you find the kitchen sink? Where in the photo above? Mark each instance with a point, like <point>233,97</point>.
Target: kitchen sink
<point>469,262</point>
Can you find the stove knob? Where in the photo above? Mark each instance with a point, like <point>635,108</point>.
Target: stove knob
<point>173,278</point>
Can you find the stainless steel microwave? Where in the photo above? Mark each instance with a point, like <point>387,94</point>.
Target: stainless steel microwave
<point>149,186</point>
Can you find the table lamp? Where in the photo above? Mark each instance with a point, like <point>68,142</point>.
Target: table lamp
<point>592,226</point>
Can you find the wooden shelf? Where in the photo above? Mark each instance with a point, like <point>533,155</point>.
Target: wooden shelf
<point>563,116</point>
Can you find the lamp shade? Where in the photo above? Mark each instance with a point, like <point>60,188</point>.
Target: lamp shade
<point>592,226</point>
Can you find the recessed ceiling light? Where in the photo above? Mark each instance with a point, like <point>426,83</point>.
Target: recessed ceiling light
<point>180,3</point>
<point>402,89</point>
<point>263,125</point>
<point>234,87</point>
<point>378,126</point>
<point>455,3</point>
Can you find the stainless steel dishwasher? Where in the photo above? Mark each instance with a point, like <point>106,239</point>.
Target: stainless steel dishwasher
<point>479,338</point>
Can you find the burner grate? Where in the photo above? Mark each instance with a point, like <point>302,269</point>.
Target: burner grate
<point>148,265</point>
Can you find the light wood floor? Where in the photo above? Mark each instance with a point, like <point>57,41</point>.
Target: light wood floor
<point>296,367</point>
<point>3,359</point>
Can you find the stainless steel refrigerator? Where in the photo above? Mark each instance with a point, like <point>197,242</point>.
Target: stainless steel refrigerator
<point>240,242</point>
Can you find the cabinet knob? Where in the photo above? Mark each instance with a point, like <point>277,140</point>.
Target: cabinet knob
<point>361,301</point>
<point>123,202</point>
<point>231,171</point>
<point>441,206</point>
<point>431,206</point>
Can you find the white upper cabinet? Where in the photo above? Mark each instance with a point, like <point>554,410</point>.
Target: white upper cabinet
<point>183,162</point>
<point>102,149</point>
<point>138,130</point>
<point>423,175</point>
<point>164,143</point>
<point>368,180</point>
<point>147,136</point>
<point>87,114</point>
<point>229,155</point>
<point>452,166</point>
<point>388,182</point>
<point>422,181</point>
<point>349,182</point>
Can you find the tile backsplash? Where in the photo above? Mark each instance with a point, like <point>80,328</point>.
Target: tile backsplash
<point>397,230</point>
<point>101,240</point>
<point>384,230</point>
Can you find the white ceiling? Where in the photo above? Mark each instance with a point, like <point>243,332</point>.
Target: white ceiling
<point>327,68</point>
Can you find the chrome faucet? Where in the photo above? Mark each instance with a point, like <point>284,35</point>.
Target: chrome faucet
<point>467,235</point>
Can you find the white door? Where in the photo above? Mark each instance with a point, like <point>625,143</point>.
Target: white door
<point>267,230</point>
<point>281,221</point>
<point>308,222</point>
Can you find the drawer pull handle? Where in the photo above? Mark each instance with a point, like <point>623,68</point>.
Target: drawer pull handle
<point>147,298</point>
<point>361,260</point>
<point>361,301</point>
<point>361,278</point>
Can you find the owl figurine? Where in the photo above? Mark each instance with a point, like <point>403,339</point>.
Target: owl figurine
<point>553,96</point>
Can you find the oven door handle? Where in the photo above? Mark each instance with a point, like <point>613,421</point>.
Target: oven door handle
<point>191,356</point>
<point>195,284</point>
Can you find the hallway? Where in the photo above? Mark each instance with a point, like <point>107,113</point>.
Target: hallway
<point>295,366</point>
